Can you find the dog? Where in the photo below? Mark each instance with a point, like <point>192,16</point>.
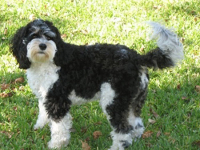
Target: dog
<point>61,75</point>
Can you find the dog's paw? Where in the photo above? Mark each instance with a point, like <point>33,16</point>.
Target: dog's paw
<point>138,129</point>
<point>58,143</point>
<point>40,123</point>
<point>38,126</point>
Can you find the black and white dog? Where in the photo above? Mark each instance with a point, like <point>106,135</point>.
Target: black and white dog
<point>62,74</point>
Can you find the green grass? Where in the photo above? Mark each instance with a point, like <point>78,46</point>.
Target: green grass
<point>172,93</point>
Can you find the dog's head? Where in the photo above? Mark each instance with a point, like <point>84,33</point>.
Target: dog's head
<point>35,42</point>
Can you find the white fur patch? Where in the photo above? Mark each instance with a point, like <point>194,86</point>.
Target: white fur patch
<point>60,132</point>
<point>35,54</point>
<point>144,80</point>
<point>41,76</point>
<point>76,100</point>
<point>42,117</point>
<point>107,96</point>
<point>117,140</point>
<point>168,42</point>
<point>137,124</point>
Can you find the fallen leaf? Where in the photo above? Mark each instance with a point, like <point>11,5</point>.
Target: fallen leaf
<point>158,133</point>
<point>15,108</point>
<point>4,95</point>
<point>84,31</point>
<point>4,86</point>
<point>197,88</point>
<point>148,145</point>
<point>97,134</point>
<point>83,129</point>
<point>85,146</point>
<point>193,12</point>
<point>87,139</point>
<point>196,143</point>
<point>179,86</point>
<point>151,121</point>
<point>98,123</point>
<point>5,31</point>
<point>19,80</point>
<point>167,133</point>
<point>185,99</point>
<point>182,40</point>
<point>21,88</point>
<point>157,7</point>
<point>154,113</point>
<point>63,36</point>
<point>142,48</point>
<point>42,137</point>
<point>147,134</point>
<point>8,134</point>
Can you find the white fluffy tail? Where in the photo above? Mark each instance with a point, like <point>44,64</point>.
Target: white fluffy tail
<point>168,42</point>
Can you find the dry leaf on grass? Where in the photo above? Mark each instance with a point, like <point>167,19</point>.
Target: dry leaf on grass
<point>196,143</point>
<point>97,134</point>
<point>5,31</point>
<point>4,95</point>
<point>158,133</point>
<point>147,134</point>
<point>151,121</point>
<point>98,123</point>
<point>167,133</point>
<point>154,113</point>
<point>85,146</point>
<point>4,86</point>
<point>179,86</point>
<point>197,88</point>
<point>19,80</point>
<point>64,36</point>
<point>8,134</point>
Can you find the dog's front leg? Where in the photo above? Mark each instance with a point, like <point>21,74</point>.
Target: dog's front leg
<point>57,106</point>
<point>60,132</point>
<point>42,116</point>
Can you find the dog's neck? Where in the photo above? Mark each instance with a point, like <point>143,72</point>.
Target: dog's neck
<point>43,68</point>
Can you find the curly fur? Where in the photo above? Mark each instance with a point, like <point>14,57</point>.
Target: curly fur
<point>62,74</point>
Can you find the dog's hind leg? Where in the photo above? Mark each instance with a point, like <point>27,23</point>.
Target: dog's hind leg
<point>117,112</point>
<point>134,118</point>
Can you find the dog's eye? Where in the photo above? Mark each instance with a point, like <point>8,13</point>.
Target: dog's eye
<point>34,36</point>
<point>47,37</point>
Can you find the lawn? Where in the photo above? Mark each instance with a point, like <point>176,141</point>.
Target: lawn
<point>172,109</point>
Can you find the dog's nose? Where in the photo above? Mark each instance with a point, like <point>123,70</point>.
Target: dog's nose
<point>43,46</point>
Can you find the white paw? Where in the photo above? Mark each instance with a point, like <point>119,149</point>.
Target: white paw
<point>38,126</point>
<point>40,123</point>
<point>58,143</point>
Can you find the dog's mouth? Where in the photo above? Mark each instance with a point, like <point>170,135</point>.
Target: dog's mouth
<point>41,52</point>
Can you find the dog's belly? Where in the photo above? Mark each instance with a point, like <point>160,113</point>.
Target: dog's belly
<point>77,100</point>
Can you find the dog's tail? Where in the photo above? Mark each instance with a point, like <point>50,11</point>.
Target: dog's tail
<point>169,51</point>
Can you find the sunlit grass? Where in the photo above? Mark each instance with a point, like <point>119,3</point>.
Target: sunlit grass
<point>172,94</point>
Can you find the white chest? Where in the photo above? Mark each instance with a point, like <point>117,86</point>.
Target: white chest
<point>41,77</point>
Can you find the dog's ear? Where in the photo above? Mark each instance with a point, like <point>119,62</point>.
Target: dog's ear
<point>55,30</point>
<point>18,47</point>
